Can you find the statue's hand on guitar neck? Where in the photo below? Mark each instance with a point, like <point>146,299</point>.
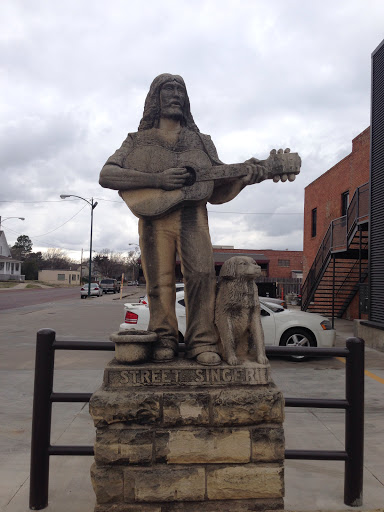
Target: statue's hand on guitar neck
<point>256,172</point>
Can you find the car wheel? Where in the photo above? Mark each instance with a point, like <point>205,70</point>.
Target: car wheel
<point>298,337</point>
<point>82,296</point>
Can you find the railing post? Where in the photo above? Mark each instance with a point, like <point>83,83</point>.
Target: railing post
<point>357,215</point>
<point>354,423</point>
<point>41,419</point>
<point>333,289</point>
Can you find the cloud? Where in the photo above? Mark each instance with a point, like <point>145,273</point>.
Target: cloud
<point>260,75</point>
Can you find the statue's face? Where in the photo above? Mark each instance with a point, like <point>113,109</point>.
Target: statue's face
<point>172,99</point>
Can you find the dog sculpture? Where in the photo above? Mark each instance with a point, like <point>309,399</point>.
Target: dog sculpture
<point>237,312</point>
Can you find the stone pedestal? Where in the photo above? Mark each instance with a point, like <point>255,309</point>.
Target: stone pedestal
<point>182,437</point>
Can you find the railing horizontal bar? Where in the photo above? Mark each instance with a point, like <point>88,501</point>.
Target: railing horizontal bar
<point>83,345</point>
<point>323,403</point>
<point>316,455</point>
<point>270,350</point>
<point>307,351</point>
<point>70,397</point>
<point>71,450</point>
<point>289,454</point>
<point>319,403</point>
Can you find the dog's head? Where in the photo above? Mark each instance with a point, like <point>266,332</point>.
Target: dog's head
<point>240,267</point>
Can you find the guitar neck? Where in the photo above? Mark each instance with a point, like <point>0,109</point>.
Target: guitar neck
<point>227,171</point>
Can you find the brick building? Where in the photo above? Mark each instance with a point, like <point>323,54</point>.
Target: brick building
<point>327,202</point>
<point>282,271</point>
<point>274,264</point>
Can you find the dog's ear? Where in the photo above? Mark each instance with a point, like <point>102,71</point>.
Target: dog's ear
<point>228,270</point>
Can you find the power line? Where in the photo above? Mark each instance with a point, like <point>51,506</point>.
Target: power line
<point>34,202</point>
<point>66,222</point>
<point>122,203</point>
<point>53,243</point>
<point>32,237</point>
<point>258,213</point>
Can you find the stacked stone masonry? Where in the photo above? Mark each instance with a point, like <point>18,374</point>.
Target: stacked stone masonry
<point>216,447</point>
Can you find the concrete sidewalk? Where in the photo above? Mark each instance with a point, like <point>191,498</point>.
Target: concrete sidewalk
<point>310,485</point>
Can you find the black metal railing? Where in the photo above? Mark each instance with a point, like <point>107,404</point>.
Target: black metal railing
<point>353,404</point>
<point>336,239</point>
<point>358,209</point>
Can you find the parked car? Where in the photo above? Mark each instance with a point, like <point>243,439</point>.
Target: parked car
<point>96,291</point>
<point>281,326</point>
<point>272,300</point>
<point>144,298</point>
<point>110,285</point>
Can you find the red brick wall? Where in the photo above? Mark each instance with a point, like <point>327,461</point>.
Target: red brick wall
<point>325,194</point>
<point>274,270</point>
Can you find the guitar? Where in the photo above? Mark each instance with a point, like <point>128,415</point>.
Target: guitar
<point>155,202</point>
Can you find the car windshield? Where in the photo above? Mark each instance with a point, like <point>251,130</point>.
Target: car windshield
<point>107,281</point>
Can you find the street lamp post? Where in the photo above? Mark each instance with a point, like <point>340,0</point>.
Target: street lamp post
<point>133,274</point>
<point>93,206</point>
<point>6,218</point>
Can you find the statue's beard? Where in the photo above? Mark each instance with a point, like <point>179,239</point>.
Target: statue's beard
<point>172,112</point>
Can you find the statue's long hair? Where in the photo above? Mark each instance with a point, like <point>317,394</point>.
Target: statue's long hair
<point>151,114</point>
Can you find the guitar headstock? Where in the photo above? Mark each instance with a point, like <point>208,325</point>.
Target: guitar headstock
<point>282,165</point>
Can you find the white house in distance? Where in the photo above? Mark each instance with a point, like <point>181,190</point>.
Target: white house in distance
<point>10,269</point>
<point>60,276</point>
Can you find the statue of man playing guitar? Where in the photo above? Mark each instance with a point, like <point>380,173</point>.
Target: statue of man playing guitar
<point>167,172</point>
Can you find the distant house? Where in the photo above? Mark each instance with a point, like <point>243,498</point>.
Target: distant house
<point>60,276</point>
<point>84,273</point>
<point>10,268</point>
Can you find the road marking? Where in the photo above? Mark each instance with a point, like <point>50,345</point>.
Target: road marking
<point>366,372</point>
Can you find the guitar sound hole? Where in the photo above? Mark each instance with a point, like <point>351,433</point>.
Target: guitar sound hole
<point>192,176</point>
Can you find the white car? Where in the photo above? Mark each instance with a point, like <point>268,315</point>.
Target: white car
<point>96,290</point>
<point>281,326</point>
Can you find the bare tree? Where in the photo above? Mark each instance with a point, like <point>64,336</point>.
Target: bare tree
<point>57,259</point>
<point>110,264</point>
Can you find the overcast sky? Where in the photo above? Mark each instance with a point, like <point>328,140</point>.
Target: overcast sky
<point>260,74</point>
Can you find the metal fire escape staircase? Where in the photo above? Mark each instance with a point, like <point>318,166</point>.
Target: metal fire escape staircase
<point>341,263</point>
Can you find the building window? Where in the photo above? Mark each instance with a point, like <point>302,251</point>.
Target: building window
<point>1,265</point>
<point>314,222</point>
<point>61,277</point>
<point>73,277</point>
<point>344,203</point>
<point>284,263</point>
<point>16,267</point>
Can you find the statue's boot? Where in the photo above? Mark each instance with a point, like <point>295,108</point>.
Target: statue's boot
<point>208,358</point>
<point>162,354</point>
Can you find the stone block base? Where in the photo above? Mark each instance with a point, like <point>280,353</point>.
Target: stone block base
<point>193,506</point>
<point>214,443</point>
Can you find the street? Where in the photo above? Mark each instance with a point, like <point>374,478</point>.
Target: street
<point>10,299</point>
<point>310,485</point>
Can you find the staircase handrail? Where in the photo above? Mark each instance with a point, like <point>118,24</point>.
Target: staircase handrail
<point>355,207</point>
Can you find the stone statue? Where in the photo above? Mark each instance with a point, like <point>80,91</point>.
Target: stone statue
<point>167,172</point>
<point>237,312</point>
